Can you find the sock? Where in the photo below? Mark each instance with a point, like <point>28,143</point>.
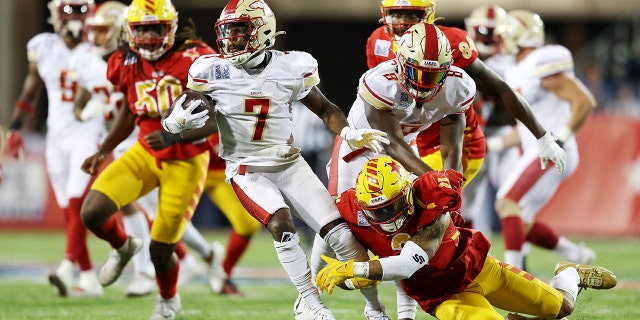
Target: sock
<point>180,250</point>
<point>567,250</point>
<point>111,232</point>
<point>567,280</point>
<point>136,224</point>
<point>294,262</point>
<point>77,236</point>
<point>194,239</point>
<point>513,236</point>
<point>542,235</point>
<point>168,282</point>
<point>236,246</point>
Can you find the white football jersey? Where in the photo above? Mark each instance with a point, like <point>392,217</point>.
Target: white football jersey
<point>380,88</point>
<point>526,76</point>
<point>90,71</point>
<point>53,58</point>
<point>253,111</point>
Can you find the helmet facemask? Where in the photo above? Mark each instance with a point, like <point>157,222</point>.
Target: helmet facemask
<point>244,30</point>
<point>481,26</point>
<point>151,27</point>
<point>398,21</point>
<point>389,217</point>
<point>151,40</point>
<point>238,39</point>
<point>68,17</point>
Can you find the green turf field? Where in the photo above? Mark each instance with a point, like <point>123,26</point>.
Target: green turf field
<point>25,258</point>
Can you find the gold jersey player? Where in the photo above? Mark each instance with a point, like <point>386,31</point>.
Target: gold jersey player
<point>151,72</point>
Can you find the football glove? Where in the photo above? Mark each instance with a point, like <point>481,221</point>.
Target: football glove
<point>360,138</point>
<point>15,144</point>
<point>334,273</point>
<point>438,192</point>
<point>549,150</point>
<point>181,119</point>
<point>457,218</point>
<point>96,109</point>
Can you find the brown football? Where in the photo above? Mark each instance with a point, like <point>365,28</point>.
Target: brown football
<point>191,95</point>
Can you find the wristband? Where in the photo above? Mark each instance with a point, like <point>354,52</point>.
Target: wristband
<point>344,131</point>
<point>564,133</point>
<point>361,269</point>
<point>21,104</point>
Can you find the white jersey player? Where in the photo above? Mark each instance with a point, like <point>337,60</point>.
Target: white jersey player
<point>545,78</point>
<point>68,141</point>
<point>387,101</point>
<point>252,89</point>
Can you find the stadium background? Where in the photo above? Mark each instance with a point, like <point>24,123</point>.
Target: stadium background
<point>604,36</point>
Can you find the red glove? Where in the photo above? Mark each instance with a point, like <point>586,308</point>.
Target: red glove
<point>457,218</point>
<point>15,143</point>
<point>437,192</point>
<point>455,178</point>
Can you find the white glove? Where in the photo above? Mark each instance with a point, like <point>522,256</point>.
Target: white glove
<point>549,150</point>
<point>360,138</point>
<point>182,119</point>
<point>95,108</point>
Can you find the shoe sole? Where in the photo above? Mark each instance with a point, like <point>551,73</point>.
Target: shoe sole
<point>57,282</point>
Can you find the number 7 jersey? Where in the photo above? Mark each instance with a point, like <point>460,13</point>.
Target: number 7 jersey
<point>253,111</point>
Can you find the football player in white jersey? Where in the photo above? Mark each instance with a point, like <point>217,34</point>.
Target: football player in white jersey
<point>544,75</point>
<point>68,141</point>
<point>97,98</point>
<point>252,89</point>
<point>404,96</point>
<point>479,196</point>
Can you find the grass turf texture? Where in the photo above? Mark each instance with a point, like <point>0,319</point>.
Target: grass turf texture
<point>25,258</point>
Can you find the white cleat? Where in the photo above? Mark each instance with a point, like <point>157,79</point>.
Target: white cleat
<point>62,278</point>
<point>166,309</point>
<point>371,314</point>
<point>118,259</point>
<point>215,272</point>
<point>324,314</point>
<point>141,285</point>
<point>301,311</point>
<point>88,285</point>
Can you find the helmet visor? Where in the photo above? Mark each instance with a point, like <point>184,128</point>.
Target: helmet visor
<point>422,77</point>
<point>390,210</point>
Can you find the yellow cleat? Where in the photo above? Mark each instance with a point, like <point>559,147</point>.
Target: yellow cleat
<point>591,277</point>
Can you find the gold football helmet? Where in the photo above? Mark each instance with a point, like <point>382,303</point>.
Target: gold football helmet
<point>244,29</point>
<point>384,192</point>
<point>151,27</point>
<point>109,16</point>
<point>424,58</point>
<point>481,25</point>
<point>521,29</point>
<point>392,10</point>
<point>67,16</point>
